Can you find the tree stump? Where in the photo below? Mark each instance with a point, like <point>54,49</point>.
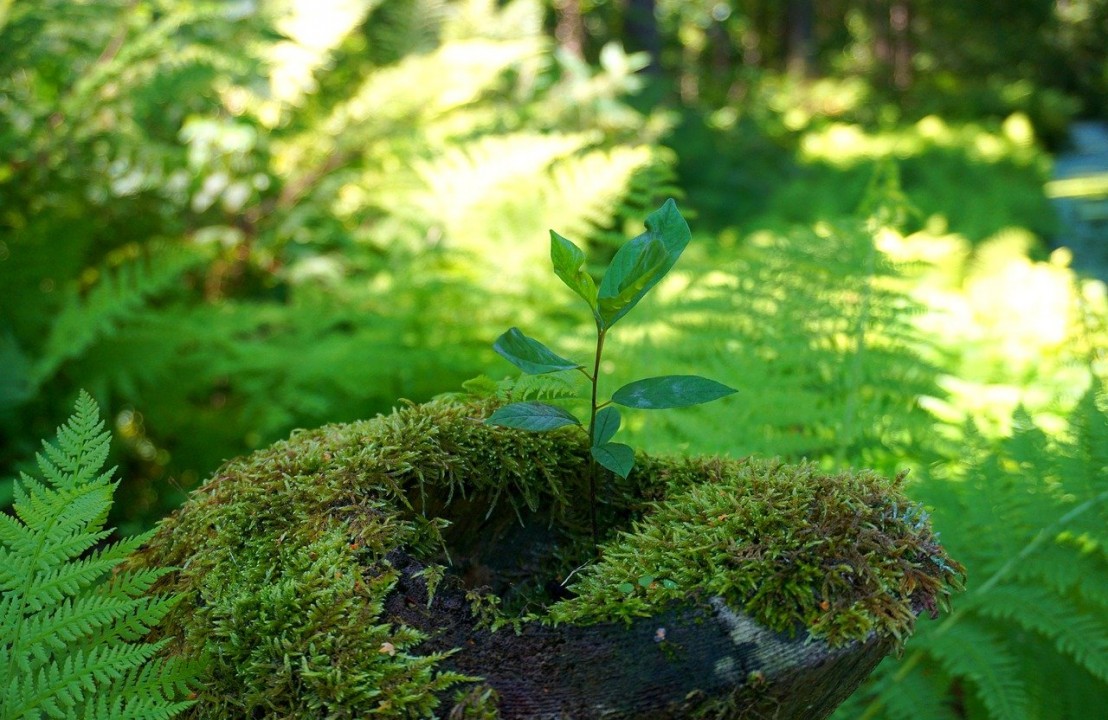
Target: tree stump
<point>707,661</point>
<point>303,570</point>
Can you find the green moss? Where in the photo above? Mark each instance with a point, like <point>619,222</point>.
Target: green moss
<point>285,569</point>
<point>838,555</point>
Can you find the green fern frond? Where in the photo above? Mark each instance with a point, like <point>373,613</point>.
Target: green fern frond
<point>551,386</point>
<point>918,696</point>
<point>397,28</point>
<point>605,188</point>
<point>987,660</point>
<point>816,325</point>
<point>119,295</point>
<point>1025,515</point>
<point>71,641</point>
<point>418,89</point>
<point>466,175</point>
<point>1076,631</point>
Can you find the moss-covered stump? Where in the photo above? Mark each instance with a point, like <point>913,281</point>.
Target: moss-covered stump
<point>425,564</point>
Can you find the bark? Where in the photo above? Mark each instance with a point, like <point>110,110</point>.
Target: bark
<point>900,18</point>
<point>569,28</point>
<point>700,657</point>
<point>799,21</point>
<point>642,32</point>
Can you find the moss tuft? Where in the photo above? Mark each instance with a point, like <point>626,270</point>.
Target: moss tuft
<point>838,555</point>
<point>287,556</point>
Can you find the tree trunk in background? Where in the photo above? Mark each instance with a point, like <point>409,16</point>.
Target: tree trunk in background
<point>799,21</point>
<point>569,29</point>
<point>893,42</point>
<point>882,43</point>
<point>642,32</point>
<point>900,21</point>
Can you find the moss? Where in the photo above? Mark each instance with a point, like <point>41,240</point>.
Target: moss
<point>837,555</point>
<point>285,568</point>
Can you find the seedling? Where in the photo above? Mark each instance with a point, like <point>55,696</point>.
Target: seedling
<point>636,267</point>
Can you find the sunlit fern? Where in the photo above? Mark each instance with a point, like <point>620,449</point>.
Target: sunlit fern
<point>1027,515</point>
<point>811,327</point>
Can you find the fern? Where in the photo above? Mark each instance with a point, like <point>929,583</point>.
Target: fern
<point>344,277</point>
<point>1028,516</point>
<point>119,295</point>
<point>552,386</point>
<point>815,326</point>
<point>72,641</point>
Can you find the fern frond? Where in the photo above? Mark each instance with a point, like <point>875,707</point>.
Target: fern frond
<point>605,187</point>
<point>1024,514</point>
<point>57,581</point>
<point>466,176</point>
<point>986,660</point>
<point>917,696</point>
<point>119,295</point>
<point>1075,631</point>
<point>551,386</point>
<point>70,640</point>
<point>415,90</point>
<point>816,326</point>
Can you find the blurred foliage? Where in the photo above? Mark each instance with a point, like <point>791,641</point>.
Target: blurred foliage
<point>223,241</point>
<point>232,219</point>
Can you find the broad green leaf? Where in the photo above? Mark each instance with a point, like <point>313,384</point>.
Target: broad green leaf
<point>630,279</point>
<point>569,261</point>
<point>625,588</point>
<point>534,416</point>
<point>670,391</point>
<point>664,225</point>
<point>607,423</point>
<point>617,457</point>
<point>645,580</point>
<point>530,355</point>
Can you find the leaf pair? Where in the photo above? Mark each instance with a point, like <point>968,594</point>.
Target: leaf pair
<point>669,391</point>
<point>636,267</point>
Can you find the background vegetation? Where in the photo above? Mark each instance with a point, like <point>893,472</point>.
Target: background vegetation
<point>229,220</point>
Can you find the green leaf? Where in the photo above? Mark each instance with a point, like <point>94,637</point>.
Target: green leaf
<point>629,276</point>
<point>645,580</point>
<point>569,261</point>
<point>535,416</point>
<point>664,225</point>
<point>670,391</point>
<point>607,423</point>
<point>617,457</point>
<point>530,355</point>
<point>626,588</point>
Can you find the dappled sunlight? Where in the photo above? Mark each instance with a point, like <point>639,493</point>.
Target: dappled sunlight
<point>844,144</point>
<point>228,221</point>
<point>313,28</point>
<point>1089,185</point>
<point>1015,326</point>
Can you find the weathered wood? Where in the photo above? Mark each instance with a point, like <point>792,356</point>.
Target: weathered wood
<point>702,658</point>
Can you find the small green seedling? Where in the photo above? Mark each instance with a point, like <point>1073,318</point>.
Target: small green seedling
<point>636,267</point>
